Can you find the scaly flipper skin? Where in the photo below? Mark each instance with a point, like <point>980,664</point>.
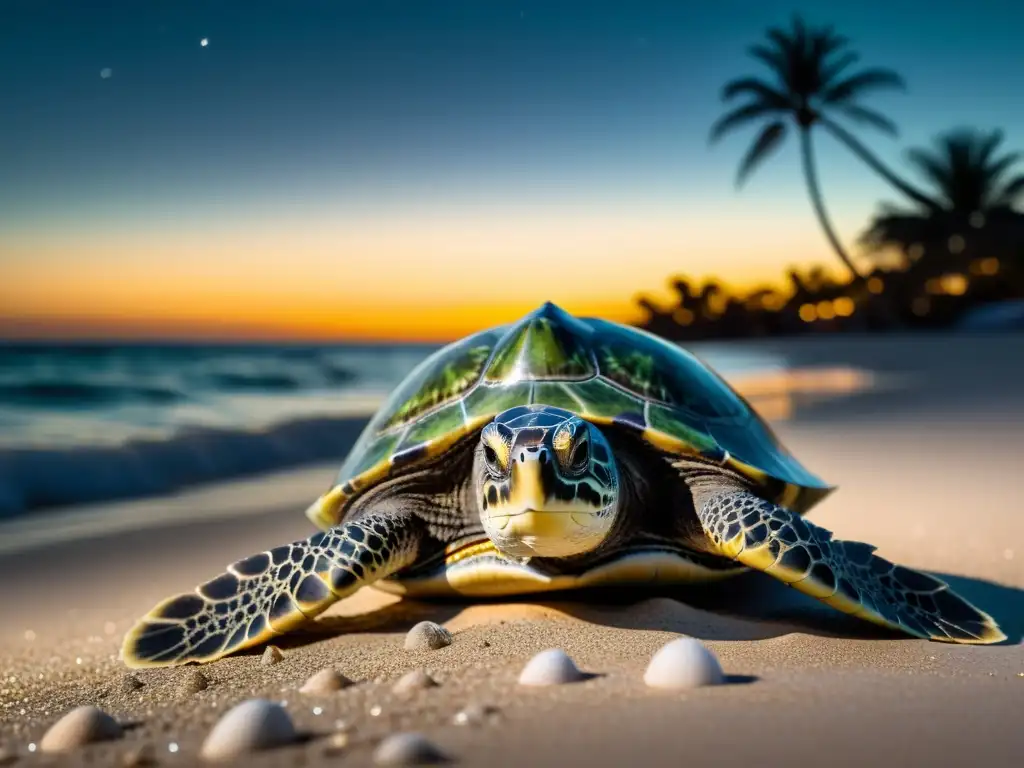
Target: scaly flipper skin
<point>843,574</point>
<point>271,592</point>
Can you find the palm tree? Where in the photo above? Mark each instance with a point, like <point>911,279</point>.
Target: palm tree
<point>977,194</point>
<point>811,81</point>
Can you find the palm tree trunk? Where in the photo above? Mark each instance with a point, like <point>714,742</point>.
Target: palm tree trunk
<point>811,177</point>
<point>854,145</point>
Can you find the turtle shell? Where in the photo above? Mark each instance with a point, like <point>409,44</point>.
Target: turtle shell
<point>608,373</point>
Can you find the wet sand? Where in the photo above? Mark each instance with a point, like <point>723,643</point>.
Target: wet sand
<point>928,467</point>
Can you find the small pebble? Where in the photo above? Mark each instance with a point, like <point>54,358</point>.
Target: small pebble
<point>337,742</point>
<point>80,726</point>
<point>407,749</point>
<point>272,655</point>
<point>682,664</point>
<point>427,636</point>
<point>417,680</point>
<point>550,667</point>
<point>325,681</point>
<point>475,714</point>
<point>252,725</point>
<point>130,683</point>
<point>193,681</point>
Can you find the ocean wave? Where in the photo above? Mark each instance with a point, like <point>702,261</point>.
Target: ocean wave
<point>259,382</point>
<point>83,394</point>
<point>37,478</point>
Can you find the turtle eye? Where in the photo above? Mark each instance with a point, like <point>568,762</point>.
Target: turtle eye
<point>580,458</point>
<point>493,462</point>
<point>491,456</point>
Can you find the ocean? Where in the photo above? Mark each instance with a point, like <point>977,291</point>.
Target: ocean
<point>90,422</point>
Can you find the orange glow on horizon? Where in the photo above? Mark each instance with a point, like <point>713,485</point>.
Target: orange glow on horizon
<point>427,325</point>
<point>420,275</point>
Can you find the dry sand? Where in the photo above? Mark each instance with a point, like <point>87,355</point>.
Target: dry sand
<point>930,470</point>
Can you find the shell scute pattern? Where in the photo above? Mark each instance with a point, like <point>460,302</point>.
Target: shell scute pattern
<point>548,344</point>
<point>442,383</point>
<point>608,373</point>
<point>655,370</point>
<point>443,378</point>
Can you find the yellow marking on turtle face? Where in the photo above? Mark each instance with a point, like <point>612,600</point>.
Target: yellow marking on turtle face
<point>493,440</point>
<point>550,526</point>
<point>526,487</point>
<point>561,442</point>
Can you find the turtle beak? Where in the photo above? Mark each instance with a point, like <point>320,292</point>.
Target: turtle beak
<point>526,480</point>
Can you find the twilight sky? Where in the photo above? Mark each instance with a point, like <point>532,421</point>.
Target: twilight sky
<point>374,168</point>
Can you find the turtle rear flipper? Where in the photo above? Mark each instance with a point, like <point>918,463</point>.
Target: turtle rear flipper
<point>846,575</point>
<point>270,593</point>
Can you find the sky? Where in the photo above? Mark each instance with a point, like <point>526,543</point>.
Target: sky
<point>374,169</point>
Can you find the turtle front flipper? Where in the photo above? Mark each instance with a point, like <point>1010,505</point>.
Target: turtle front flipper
<point>846,575</point>
<point>271,593</point>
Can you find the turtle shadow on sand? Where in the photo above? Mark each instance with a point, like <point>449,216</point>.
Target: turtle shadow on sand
<point>760,601</point>
<point>747,607</point>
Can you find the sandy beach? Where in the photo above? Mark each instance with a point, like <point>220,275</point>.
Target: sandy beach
<point>928,464</point>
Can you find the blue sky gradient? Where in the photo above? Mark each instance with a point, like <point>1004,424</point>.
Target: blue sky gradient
<point>338,111</point>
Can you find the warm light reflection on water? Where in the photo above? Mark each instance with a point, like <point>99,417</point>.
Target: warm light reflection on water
<point>776,394</point>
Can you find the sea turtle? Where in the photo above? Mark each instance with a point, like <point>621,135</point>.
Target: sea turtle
<point>556,452</point>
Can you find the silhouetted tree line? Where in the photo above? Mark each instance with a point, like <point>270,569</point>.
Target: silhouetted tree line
<point>957,241</point>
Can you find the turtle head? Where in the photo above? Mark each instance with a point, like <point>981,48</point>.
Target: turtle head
<point>548,483</point>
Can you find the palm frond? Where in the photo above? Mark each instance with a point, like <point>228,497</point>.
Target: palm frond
<point>932,167</point>
<point>985,145</point>
<point>867,116</point>
<point>896,227</point>
<point>824,42</point>
<point>865,80</point>
<point>800,34</point>
<point>763,92</point>
<point>784,41</point>
<point>1012,190</point>
<point>766,142</point>
<point>833,69</point>
<point>789,53</point>
<point>964,168</point>
<point>1001,166</point>
<point>773,58</point>
<point>739,117</point>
